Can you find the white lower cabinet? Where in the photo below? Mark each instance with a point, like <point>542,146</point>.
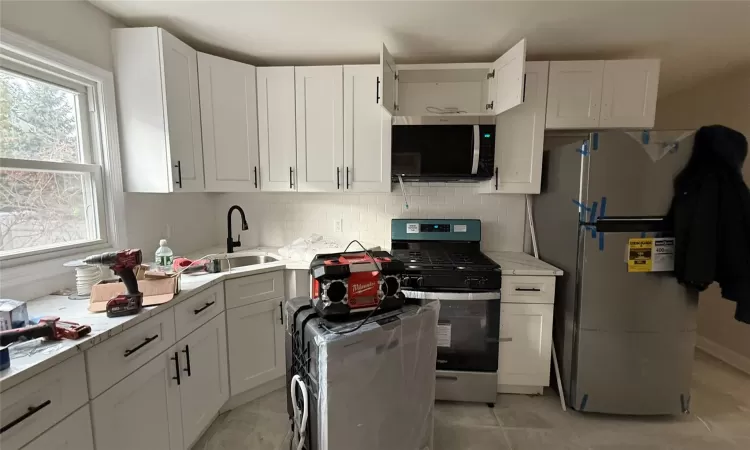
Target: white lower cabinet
<point>73,433</point>
<point>204,386</point>
<point>143,411</point>
<point>256,344</point>
<point>525,344</point>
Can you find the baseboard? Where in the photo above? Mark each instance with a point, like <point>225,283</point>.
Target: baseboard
<point>729,356</point>
<point>516,389</point>
<point>250,395</point>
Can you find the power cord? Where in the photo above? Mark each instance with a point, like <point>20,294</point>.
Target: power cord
<point>300,415</point>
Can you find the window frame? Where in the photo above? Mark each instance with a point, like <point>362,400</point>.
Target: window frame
<point>34,60</point>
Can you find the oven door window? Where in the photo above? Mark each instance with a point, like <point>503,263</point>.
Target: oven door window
<point>468,334</point>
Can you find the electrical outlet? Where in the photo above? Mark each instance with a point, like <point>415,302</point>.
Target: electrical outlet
<point>337,225</point>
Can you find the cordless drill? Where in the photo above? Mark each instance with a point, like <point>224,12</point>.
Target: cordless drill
<point>122,264</point>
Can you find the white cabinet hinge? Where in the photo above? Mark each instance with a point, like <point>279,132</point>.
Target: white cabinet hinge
<point>395,75</point>
<point>490,105</point>
<point>491,74</point>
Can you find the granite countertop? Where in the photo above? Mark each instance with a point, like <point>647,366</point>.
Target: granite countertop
<point>517,263</point>
<point>31,358</point>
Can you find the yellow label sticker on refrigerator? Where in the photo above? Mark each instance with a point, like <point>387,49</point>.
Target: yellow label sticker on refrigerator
<point>639,254</point>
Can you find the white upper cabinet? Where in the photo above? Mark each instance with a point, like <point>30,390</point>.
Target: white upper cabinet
<point>602,94</point>
<point>507,81</point>
<point>156,77</point>
<point>452,89</point>
<point>320,135</point>
<point>520,138</point>
<point>386,83</point>
<point>229,121</point>
<point>574,95</point>
<point>629,93</point>
<point>367,139</point>
<point>276,129</point>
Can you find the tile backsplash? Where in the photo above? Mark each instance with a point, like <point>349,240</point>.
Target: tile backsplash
<point>276,219</point>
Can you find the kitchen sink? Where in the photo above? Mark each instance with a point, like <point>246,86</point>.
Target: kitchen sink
<point>235,262</point>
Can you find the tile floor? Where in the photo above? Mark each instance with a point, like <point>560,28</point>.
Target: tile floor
<point>720,420</point>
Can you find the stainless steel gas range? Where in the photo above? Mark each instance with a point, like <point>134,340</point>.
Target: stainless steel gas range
<point>444,262</point>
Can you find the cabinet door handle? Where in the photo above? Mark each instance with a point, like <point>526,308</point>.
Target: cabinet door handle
<point>291,175</point>
<point>338,177</point>
<point>187,359</point>
<point>348,186</point>
<point>145,342</point>
<point>523,96</point>
<point>202,308</point>
<point>29,412</point>
<point>281,314</point>
<point>510,339</point>
<point>176,359</point>
<point>255,171</point>
<point>496,177</point>
<point>377,91</point>
<point>179,174</point>
<point>528,289</point>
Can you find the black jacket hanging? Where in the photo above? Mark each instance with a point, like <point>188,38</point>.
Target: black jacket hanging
<point>710,215</point>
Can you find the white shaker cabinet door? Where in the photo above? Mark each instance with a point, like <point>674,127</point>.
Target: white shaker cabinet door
<point>255,335</point>
<point>277,142</point>
<point>629,92</point>
<point>320,125</point>
<point>205,381</point>
<point>525,344</point>
<point>180,74</point>
<point>73,433</point>
<point>507,82</point>
<point>367,143</point>
<point>386,84</point>
<point>229,120</point>
<point>574,94</point>
<point>142,411</point>
<point>519,139</point>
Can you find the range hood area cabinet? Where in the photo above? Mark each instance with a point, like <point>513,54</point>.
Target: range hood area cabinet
<point>452,89</point>
<point>156,81</point>
<point>320,131</point>
<point>602,94</point>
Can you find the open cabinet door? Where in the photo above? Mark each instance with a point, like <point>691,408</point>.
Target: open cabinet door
<point>386,82</point>
<point>508,81</point>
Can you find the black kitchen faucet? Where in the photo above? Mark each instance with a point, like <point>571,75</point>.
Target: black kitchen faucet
<point>231,243</point>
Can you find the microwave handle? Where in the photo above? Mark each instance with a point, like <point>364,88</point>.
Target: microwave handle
<point>475,148</point>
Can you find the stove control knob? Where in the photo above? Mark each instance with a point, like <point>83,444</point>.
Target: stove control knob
<point>419,281</point>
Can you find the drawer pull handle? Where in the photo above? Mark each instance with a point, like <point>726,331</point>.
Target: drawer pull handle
<point>510,339</point>
<point>202,308</point>
<point>187,359</point>
<point>145,342</point>
<point>446,377</point>
<point>528,289</point>
<point>30,412</point>
<point>176,359</point>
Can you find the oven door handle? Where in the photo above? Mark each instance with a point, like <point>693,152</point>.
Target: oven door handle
<point>452,296</point>
<point>475,149</point>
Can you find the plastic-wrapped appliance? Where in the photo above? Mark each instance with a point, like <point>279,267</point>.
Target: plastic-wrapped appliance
<point>366,388</point>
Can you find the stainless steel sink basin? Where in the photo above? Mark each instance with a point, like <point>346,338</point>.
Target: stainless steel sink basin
<point>234,262</point>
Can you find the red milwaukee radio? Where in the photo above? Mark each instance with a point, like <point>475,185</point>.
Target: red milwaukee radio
<point>347,283</point>
<point>122,264</point>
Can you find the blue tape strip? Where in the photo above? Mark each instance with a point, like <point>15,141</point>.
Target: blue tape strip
<point>584,400</point>
<point>643,234</point>
<point>645,137</point>
<point>592,218</point>
<point>601,242</point>
<point>595,141</point>
<point>584,150</point>
<point>604,206</point>
<point>582,209</point>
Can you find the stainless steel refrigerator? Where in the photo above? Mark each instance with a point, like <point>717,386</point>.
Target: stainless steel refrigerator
<point>625,340</point>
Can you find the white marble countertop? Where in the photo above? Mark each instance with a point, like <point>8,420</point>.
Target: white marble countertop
<point>29,359</point>
<point>517,263</point>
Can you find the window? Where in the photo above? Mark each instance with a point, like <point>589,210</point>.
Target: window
<point>55,195</point>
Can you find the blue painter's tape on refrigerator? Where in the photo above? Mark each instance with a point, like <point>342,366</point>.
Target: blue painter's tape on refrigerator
<point>592,218</point>
<point>584,400</point>
<point>584,150</point>
<point>645,137</point>
<point>595,141</point>
<point>604,206</point>
<point>643,234</point>
<point>581,210</point>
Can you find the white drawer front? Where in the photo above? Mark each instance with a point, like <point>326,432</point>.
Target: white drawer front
<point>41,401</point>
<point>528,289</point>
<point>197,310</point>
<point>73,433</point>
<point>112,360</point>
<point>254,288</point>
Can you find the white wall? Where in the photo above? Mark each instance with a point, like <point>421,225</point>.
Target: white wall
<point>278,219</point>
<point>81,30</point>
<point>724,100</point>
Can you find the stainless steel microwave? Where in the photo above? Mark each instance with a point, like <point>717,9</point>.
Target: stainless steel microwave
<point>456,148</point>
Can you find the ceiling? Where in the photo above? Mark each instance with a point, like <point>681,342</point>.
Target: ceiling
<point>694,39</point>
